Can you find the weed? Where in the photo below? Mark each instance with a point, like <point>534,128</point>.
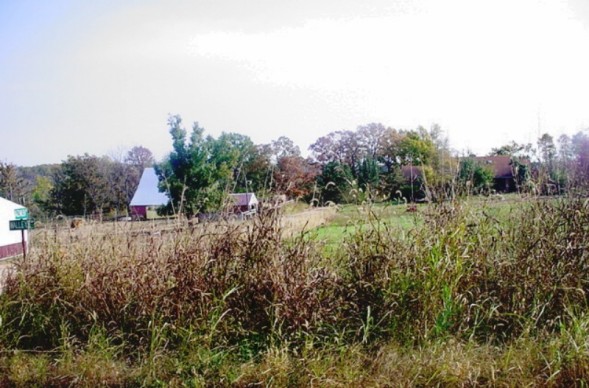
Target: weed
<point>457,293</point>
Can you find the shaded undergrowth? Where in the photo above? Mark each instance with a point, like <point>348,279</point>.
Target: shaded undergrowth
<point>463,298</point>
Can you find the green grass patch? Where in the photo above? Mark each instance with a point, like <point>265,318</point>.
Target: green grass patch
<point>350,219</point>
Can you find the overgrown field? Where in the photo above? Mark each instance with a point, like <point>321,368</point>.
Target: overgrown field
<point>458,293</point>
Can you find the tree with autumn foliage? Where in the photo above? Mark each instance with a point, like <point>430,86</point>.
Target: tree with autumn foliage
<point>292,175</point>
<point>375,155</point>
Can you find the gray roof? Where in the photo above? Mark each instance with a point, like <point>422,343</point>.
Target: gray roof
<point>244,199</point>
<point>147,193</point>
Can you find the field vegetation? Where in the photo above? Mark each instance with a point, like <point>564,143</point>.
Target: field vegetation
<point>395,263</point>
<point>465,292</point>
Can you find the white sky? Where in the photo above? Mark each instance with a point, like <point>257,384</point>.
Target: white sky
<point>77,77</point>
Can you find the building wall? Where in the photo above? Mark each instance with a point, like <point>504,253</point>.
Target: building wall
<point>10,240</point>
<point>504,185</point>
<point>7,236</point>
<point>10,250</point>
<point>139,211</point>
<point>145,212</point>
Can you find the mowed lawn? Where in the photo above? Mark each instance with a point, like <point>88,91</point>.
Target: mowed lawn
<point>351,218</point>
<point>401,218</point>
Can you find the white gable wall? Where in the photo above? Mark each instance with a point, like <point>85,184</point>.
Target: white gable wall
<point>147,193</point>
<point>8,237</point>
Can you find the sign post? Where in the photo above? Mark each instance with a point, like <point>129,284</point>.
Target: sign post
<point>22,225</point>
<point>24,244</point>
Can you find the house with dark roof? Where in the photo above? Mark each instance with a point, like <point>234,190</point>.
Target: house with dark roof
<point>505,174</point>
<point>412,174</point>
<point>504,171</point>
<point>147,198</point>
<point>414,188</point>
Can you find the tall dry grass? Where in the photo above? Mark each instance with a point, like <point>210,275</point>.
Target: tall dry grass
<point>464,298</point>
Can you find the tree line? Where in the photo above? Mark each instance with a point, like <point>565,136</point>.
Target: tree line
<point>82,185</point>
<point>372,162</point>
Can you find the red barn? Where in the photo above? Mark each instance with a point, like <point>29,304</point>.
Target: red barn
<point>244,202</point>
<point>147,198</point>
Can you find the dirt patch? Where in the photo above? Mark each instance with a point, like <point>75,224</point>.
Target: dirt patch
<point>310,219</point>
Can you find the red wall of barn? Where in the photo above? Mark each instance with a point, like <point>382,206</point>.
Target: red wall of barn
<point>10,250</point>
<point>139,211</point>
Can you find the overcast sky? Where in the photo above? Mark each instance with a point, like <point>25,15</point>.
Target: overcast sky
<point>102,76</point>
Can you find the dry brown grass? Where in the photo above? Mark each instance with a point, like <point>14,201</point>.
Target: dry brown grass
<point>463,299</point>
<point>293,224</point>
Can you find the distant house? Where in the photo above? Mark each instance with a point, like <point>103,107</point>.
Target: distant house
<point>505,178</point>
<point>414,188</point>
<point>244,202</point>
<point>147,198</point>
<point>10,240</point>
<point>412,174</point>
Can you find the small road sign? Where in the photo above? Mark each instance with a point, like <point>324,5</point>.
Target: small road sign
<point>21,214</point>
<point>21,224</point>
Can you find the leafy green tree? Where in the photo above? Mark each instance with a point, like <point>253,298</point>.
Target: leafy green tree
<point>389,148</point>
<point>231,153</point>
<point>368,174</point>
<point>375,154</point>
<point>474,177</point>
<point>41,193</point>
<point>256,172</point>
<point>522,173</point>
<point>483,178</point>
<point>187,175</point>
<point>81,186</point>
<point>416,148</point>
<point>36,186</point>
<point>335,183</point>
<point>200,170</point>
